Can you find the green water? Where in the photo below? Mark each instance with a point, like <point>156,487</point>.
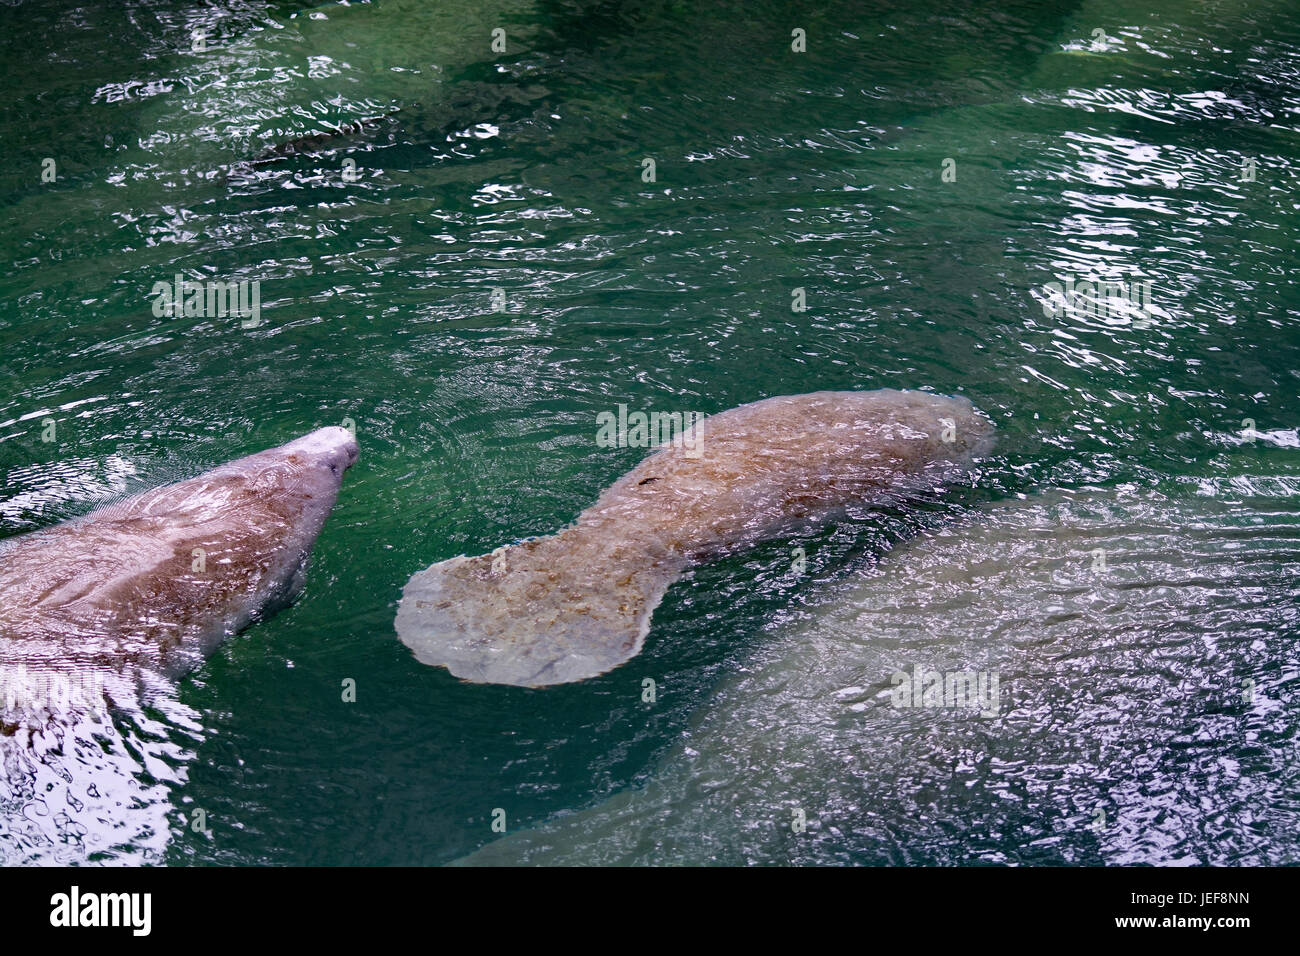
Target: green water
<point>522,171</point>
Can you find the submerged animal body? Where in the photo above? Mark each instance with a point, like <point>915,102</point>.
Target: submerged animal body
<point>578,603</point>
<point>143,588</point>
<point>1141,645</point>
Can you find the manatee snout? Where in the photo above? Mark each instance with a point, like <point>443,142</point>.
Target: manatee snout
<point>332,447</point>
<point>972,434</point>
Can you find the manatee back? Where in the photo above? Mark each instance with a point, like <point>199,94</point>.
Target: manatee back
<point>770,467</point>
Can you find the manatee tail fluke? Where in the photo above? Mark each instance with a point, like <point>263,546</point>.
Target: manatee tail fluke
<point>544,611</point>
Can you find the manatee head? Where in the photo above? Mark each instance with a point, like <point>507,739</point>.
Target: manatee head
<point>303,477</point>
<point>256,519</point>
<point>298,481</point>
<point>141,589</point>
<point>332,450</point>
<point>965,433</point>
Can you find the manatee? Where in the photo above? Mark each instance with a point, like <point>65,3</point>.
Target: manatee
<point>139,591</point>
<point>575,604</point>
<point>1144,641</point>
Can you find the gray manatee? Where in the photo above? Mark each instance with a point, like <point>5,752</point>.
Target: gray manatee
<point>142,589</point>
<point>576,604</point>
<point>1143,646</point>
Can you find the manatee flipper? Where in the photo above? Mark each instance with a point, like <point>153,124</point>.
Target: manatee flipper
<point>545,611</point>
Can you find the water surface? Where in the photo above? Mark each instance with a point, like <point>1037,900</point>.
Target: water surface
<point>1075,155</point>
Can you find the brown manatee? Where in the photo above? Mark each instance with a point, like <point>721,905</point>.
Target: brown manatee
<point>140,590</point>
<point>578,603</point>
